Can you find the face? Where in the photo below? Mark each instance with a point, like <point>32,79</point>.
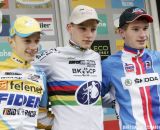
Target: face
<point>83,34</point>
<point>136,34</point>
<point>27,47</point>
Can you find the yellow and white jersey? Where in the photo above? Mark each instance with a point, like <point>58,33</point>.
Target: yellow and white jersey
<point>22,91</point>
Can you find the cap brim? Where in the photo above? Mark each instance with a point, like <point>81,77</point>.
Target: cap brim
<point>27,35</point>
<point>83,20</point>
<point>146,16</point>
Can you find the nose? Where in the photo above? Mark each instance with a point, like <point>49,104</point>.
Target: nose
<point>143,34</point>
<point>89,33</point>
<point>34,46</point>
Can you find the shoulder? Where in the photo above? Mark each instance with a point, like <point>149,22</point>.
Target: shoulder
<point>3,66</point>
<point>93,54</point>
<point>45,54</point>
<point>39,70</point>
<point>112,58</point>
<point>153,53</point>
<point>7,64</point>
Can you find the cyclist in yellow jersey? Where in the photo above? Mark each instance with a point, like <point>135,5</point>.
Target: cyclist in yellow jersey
<point>22,86</point>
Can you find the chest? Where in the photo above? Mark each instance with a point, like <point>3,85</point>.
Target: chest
<point>76,68</point>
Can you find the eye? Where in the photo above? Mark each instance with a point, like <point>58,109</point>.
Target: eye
<point>27,41</point>
<point>93,29</point>
<point>37,41</point>
<point>135,29</point>
<point>145,29</point>
<point>83,28</point>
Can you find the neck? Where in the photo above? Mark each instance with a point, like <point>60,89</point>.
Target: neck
<point>75,45</point>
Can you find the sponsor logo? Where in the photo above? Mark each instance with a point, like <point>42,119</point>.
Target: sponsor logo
<point>128,82</point>
<point>83,72</point>
<point>88,63</point>
<point>148,79</point>
<point>141,80</point>
<point>102,49</point>
<point>20,86</point>
<point>127,2</point>
<point>34,77</point>
<point>102,25</point>
<point>81,62</point>
<point>3,85</point>
<point>45,25</point>
<point>25,86</point>
<point>148,64</point>
<point>19,100</point>
<point>17,60</point>
<point>20,111</point>
<point>129,67</point>
<point>5,53</point>
<point>87,70</point>
<point>137,11</point>
<point>88,93</point>
<point>46,53</point>
<point>12,73</point>
<point>10,77</point>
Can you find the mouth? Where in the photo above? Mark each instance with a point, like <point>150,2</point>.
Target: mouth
<point>32,53</point>
<point>88,41</point>
<point>141,41</point>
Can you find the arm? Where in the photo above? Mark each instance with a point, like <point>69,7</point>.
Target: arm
<point>108,100</point>
<point>45,119</point>
<point>107,91</point>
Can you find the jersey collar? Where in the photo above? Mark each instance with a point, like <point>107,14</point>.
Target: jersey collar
<point>135,52</point>
<point>73,44</point>
<point>19,61</point>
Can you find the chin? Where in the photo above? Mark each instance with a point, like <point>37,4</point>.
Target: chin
<point>87,47</point>
<point>29,60</point>
<point>142,47</point>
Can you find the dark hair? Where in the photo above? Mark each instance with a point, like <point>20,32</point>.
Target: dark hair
<point>125,26</point>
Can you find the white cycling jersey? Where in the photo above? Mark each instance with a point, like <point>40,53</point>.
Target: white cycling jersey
<point>74,84</point>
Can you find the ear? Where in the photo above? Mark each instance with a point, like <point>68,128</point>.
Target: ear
<point>11,42</point>
<point>122,33</point>
<point>69,28</point>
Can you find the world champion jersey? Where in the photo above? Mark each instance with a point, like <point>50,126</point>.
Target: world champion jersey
<point>133,75</point>
<point>21,90</point>
<point>74,84</point>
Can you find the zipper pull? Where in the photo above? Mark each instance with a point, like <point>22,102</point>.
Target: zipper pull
<point>25,63</point>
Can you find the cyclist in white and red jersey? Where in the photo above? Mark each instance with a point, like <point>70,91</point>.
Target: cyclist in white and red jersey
<point>22,86</point>
<point>74,75</point>
<point>133,74</point>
